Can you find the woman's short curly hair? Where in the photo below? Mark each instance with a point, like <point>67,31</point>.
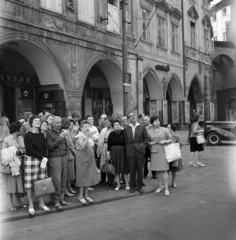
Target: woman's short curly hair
<point>15,127</point>
<point>115,121</point>
<point>65,123</point>
<point>196,117</point>
<point>154,118</point>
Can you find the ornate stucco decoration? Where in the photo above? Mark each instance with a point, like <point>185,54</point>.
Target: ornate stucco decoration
<point>164,84</point>
<point>192,12</point>
<point>206,21</point>
<point>52,23</point>
<point>163,5</point>
<point>70,4</point>
<point>175,13</point>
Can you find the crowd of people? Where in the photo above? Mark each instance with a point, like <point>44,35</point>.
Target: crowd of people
<point>72,151</point>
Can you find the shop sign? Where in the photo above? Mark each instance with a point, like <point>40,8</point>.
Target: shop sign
<point>127,78</point>
<point>18,80</point>
<point>163,68</point>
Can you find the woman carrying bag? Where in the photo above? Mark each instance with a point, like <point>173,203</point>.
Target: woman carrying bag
<point>159,137</point>
<point>196,130</point>
<point>13,184</point>
<point>35,162</point>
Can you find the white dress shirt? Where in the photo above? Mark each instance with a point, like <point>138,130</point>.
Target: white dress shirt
<point>133,127</point>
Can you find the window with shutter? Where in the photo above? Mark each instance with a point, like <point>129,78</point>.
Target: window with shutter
<point>53,5</point>
<point>161,32</point>
<point>86,11</point>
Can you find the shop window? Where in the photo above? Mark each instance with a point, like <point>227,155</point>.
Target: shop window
<point>145,29</point>
<point>161,32</point>
<point>53,5</point>
<point>174,38</point>
<point>86,11</point>
<point>193,34</point>
<point>113,16</point>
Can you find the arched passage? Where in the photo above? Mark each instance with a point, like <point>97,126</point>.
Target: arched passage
<point>103,89</point>
<point>195,94</point>
<point>152,93</point>
<point>30,67</point>
<point>173,95</point>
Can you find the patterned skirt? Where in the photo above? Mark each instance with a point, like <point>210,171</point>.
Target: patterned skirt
<point>33,172</point>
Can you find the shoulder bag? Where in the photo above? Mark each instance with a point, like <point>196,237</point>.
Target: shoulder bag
<point>172,152</point>
<point>108,167</point>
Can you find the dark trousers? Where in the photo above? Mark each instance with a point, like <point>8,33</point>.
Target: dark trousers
<point>136,166</point>
<point>58,173</point>
<point>147,156</point>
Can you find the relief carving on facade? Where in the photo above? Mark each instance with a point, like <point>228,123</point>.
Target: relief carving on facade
<point>192,12</point>
<point>71,5</point>
<point>164,85</point>
<point>52,23</point>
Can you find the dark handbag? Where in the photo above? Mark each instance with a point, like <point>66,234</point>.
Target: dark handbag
<point>108,167</point>
<point>43,187</point>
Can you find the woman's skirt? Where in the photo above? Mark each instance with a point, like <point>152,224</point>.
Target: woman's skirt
<point>70,169</point>
<point>119,159</point>
<point>194,146</point>
<point>33,171</point>
<point>87,173</point>
<point>12,184</point>
<point>179,167</point>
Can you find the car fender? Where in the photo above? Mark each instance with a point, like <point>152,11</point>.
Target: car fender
<point>223,133</point>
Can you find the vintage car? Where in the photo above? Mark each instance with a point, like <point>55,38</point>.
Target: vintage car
<point>218,131</point>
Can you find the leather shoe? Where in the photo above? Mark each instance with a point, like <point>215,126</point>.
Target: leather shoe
<point>59,207</point>
<point>132,190</point>
<point>141,190</point>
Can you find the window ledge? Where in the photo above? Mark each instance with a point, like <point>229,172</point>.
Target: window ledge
<point>164,48</point>
<point>172,51</point>
<point>86,24</point>
<point>51,12</point>
<point>147,42</point>
<point>113,33</point>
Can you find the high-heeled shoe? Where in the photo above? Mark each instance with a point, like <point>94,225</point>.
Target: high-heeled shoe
<point>117,188</point>
<point>45,208</point>
<point>68,194</point>
<point>89,199</point>
<point>158,190</point>
<point>191,164</point>
<point>72,191</point>
<point>31,212</point>
<point>83,201</point>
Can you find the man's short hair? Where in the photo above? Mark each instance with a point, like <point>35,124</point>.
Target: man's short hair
<point>88,116</point>
<point>54,119</point>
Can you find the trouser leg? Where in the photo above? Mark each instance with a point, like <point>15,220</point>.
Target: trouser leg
<point>132,169</point>
<point>139,157</point>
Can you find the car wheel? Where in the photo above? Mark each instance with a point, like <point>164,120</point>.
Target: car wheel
<point>213,139</point>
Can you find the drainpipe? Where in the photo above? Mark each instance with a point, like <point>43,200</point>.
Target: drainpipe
<point>183,45</point>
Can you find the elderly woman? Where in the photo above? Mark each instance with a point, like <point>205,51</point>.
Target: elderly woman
<point>173,167</point>
<point>86,171</point>
<point>65,126</point>
<point>35,161</point>
<point>13,184</point>
<point>159,136</point>
<point>49,120</point>
<point>194,146</point>
<point>102,147</point>
<point>116,152</point>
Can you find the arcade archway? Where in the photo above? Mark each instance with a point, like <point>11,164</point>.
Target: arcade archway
<point>31,80</point>
<point>103,90</point>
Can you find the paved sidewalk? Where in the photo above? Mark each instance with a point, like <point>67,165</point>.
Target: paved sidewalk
<point>100,194</point>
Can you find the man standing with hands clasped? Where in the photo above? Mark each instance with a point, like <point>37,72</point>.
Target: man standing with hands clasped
<point>57,162</point>
<point>136,140</point>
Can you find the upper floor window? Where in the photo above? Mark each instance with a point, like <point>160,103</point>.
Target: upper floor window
<point>214,18</point>
<point>174,38</point>
<point>193,34</point>
<point>224,12</point>
<point>161,32</point>
<point>205,4</point>
<point>53,5</point>
<point>206,39</point>
<point>86,11</point>
<point>113,16</point>
<point>145,29</point>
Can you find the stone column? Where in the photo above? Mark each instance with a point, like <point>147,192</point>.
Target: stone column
<point>140,84</point>
<point>73,102</point>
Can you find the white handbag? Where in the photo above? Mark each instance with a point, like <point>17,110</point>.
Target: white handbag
<point>172,152</point>
<point>200,139</point>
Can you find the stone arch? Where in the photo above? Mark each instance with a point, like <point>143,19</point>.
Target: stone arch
<point>153,83</point>
<point>216,61</point>
<point>174,83</point>
<point>48,68</point>
<point>197,85</point>
<point>230,109</point>
<point>112,70</point>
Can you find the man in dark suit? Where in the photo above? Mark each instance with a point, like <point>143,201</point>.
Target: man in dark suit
<point>136,140</point>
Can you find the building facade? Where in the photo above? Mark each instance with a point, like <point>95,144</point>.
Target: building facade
<point>66,56</point>
<point>223,22</point>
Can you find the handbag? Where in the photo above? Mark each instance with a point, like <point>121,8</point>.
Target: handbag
<point>172,152</point>
<point>108,167</point>
<point>200,139</point>
<point>43,187</point>
<point>4,168</point>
